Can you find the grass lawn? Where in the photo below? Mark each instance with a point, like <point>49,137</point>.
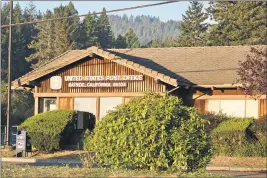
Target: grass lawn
<point>57,171</point>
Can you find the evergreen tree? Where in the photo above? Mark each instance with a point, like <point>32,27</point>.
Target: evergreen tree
<point>168,42</point>
<point>4,41</point>
<point>104,31</point>
<point>19,66</point>
<point>55,37</point>
<point>192,26</point>
<point>120,42</point>
<point>18,46</point>
<point>92,30</point>
<point>63,30</point>
<point>131,39</point>
<point>30,31</point>
<point>156,43</point>
<point>20,39</point>
<point>73,24</point>
<point>239,23</point>
<point>44,43</point>
<point>81,36</point>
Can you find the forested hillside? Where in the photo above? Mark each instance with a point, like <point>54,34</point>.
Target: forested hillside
<point>146,28</point>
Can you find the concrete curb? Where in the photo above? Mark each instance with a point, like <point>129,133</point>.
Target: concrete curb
<point>73,161</point>
<point>33,160</point>
<point>234,169</point>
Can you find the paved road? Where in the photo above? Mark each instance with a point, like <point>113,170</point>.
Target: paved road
<point>235,174</point>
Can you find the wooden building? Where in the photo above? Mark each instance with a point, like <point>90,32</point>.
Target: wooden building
<point>96,80</point>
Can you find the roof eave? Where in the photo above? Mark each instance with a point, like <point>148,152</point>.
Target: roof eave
<point>219,86</point>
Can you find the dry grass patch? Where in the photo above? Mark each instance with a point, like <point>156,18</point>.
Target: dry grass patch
<point>251,162</point>
<point>5,153</point>
<point>64,154</point>
<point>57,171</point>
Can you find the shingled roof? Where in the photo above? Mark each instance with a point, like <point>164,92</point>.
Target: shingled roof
<point>215,65</point>
<point>185,65</point>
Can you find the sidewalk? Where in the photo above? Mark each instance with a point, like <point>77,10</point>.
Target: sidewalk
<point>78,162</point>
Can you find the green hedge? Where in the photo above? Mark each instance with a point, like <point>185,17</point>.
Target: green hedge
<point>239,137</point>
<point>152,132</point>
<point>48,129</point>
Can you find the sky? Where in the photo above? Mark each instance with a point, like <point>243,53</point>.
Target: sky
<point>165,12</point>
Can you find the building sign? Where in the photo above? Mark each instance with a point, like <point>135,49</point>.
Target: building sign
<point>55,82</point>
<point>94,81</point>
<point>104,78</point>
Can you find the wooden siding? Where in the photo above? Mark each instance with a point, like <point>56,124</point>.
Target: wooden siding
<point>99,67</point>
<point>65,103</point>
<point>200,105</point>
<point>262,107</point>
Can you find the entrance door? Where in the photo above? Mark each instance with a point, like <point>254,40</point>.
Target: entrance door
<point>85,105</point>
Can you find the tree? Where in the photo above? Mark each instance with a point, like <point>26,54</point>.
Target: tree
<point>120,42</point>
<point>44,43</point>
<point>19,44</point>
<point>65,29</point>
<point>192,27</point>
<point>131,39</point>
<point>146,27</point>
<point>253,72</point>
<point>238,23</point>
<point>156,43</point>
<point>4,41</point>
<point>54,37</point>
<point>22,101</point>
<point>92,30</point>
<point>81,36</point>
<point>104,31</point>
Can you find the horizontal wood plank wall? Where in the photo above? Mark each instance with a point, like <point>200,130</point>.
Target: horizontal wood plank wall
<point>262,107</point>
<point>200,105</point>
<point>65,103</point>
<point>100,67</point>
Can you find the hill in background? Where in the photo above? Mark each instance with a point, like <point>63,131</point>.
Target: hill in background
<point>147,28</point>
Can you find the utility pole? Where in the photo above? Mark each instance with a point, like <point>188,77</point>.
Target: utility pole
<point>9,77</point>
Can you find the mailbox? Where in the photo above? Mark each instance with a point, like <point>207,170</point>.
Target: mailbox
<point>23,142</point>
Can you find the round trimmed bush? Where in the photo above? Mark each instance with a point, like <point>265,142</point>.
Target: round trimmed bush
<point>48,129</point>
<point>152,132</point>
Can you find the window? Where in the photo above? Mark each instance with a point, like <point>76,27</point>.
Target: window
<point>108,103</point>
<point>50,104</point>
<point>85,105</point>
<point>47,104</point>
<point>238,108</point>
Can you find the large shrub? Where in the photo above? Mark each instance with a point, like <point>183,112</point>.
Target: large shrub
<point>231,136</point>
<point>48,129</point>
<point>152,132</point>
<point>259,129</point>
